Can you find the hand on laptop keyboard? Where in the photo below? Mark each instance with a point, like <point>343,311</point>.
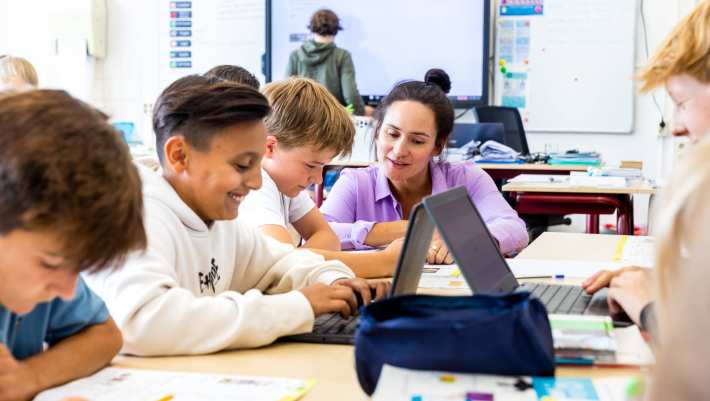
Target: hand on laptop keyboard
<point>602,278</point>
<point>366,291</point>
<point>340,296</point>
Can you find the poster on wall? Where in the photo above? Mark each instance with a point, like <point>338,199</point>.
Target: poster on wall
<point>198,35</point>
<point>513,52</point>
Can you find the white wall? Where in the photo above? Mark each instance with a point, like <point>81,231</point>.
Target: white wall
<point>125,83</point>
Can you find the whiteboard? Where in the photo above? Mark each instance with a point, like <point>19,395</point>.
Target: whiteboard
<point>570,69</point>
<point>387,49</point>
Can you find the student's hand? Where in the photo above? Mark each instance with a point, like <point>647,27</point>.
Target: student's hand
<point>630,291</point>
<point>391,253</point>
<point>330,299</point>
<point>366,288</point>
<point>17,381</point>
<point>602,278</point>
<point>439,254</point>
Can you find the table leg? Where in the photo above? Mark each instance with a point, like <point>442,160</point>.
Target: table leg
<point>592,224</point>
<point>625,215</point>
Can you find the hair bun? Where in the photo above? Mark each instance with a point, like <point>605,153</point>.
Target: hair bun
<point>438,77</point>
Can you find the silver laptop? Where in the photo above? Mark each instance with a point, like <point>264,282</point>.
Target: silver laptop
<point>332,328</point>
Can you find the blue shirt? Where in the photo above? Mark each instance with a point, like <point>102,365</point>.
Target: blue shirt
<point>50,322</point>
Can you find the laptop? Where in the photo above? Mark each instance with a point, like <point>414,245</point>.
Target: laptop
<point>332,328</point>
<point>476,253</point>
<point>485,269</point>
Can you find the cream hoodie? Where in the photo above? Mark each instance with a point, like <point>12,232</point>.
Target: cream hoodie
<point>200,289</point>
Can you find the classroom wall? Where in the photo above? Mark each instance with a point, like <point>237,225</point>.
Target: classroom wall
<point>126,82</point>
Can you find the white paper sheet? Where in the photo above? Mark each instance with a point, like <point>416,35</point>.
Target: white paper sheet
<point>533,268</point>
<point>116,384</point>
<point>631,347</point>
<point>442,277</point>
<point>637,251</point>
<point>398,384</point>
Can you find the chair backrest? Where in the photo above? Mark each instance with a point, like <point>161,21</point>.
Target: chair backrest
<point>510,118</point>
<point>466,132</point>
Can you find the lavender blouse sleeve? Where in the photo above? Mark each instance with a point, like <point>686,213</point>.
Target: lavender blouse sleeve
<point>503,222</point>
<point>340,210</point>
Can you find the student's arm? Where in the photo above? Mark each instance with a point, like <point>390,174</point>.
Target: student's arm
<point>382,234</point>
<point>279,233</point>
<point>349,85</point>
<point>374,264</point>
<point>503,222</point>
<point>81,337</point>
<point>150,305</point>
<point>315,229</point>
<point>76,356</point>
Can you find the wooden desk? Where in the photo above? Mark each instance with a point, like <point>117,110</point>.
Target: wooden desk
<point>640,187</point>
<point>573,246</point>
<point>333,366</point>
<point>506,171</point>
<point>562,199</point>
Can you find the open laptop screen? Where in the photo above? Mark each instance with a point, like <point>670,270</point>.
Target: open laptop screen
<point>413,255</point>
<point>469,241</point>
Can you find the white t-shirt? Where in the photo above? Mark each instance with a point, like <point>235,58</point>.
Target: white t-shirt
<point>268,206</point>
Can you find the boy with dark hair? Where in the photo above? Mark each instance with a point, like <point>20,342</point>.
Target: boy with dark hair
<point>70,200</point>
<point>206,275</point>
<point>233,73</point>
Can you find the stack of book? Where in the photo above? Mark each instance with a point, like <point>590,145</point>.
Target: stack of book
<point>575,158</point>
<point>583,339</point>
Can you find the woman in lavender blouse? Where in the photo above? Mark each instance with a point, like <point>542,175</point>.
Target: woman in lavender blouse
<point>367,207</point>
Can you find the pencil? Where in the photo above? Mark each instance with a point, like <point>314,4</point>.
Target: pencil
<point>167,398</point>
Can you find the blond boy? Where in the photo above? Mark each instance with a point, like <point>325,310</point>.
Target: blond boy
<point>306,129</point>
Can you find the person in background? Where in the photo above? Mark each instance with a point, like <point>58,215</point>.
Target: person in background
<point>320,59</point>
<point>368,207</point>
<point>16,73</point>
<point>70,201</point>
<point>233,73</point>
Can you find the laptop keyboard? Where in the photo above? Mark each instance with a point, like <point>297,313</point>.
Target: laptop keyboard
<point>562,299</point>
<point>333,323</point>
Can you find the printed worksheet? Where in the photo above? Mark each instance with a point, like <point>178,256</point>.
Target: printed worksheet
<point>117,384</point>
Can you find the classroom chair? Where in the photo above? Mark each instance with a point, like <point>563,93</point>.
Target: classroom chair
<point>515,137</point>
